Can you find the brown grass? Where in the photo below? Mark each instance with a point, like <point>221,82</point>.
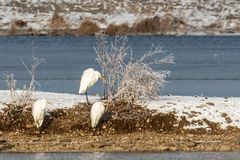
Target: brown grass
<point>88,27</point>
<point>121,29</point>
<point>20,23</point>
<point>58,22</point>
<point>58,25</point>
<point>12,30</point>
<point>231,16</point>
<point>214,26</point>
<point>157,24</point>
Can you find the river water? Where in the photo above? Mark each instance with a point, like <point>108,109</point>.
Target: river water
<point>205,65</point>
<point>123,156</point>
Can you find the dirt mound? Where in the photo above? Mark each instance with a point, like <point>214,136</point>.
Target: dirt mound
<point>118,118</point>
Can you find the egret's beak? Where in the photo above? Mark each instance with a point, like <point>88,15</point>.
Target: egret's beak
<point>102,78</point>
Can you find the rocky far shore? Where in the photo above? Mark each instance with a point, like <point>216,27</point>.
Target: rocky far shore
<point>75,17</point>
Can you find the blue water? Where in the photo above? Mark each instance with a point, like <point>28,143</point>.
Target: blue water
<point>123,156</point>
<point>205,65</point>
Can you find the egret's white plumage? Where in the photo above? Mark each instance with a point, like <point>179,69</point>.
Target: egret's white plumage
<point>97,111</point>
<point>89,78</point>
<point>38,111</point>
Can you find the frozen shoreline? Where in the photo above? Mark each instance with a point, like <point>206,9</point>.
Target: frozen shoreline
<point>223,111</point>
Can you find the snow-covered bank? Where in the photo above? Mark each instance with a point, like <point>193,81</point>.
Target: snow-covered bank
<point>179,16</point>
<point>198,111</point>
<point>58,100</point>
<point>225,111</point>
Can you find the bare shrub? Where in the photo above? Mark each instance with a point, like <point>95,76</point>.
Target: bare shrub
<point>88,27</point>
<point>139,81</point>
<point>130,80</point>
<point>16,112</point>
<point>111,61</point>
<point>121,29</point>
<point>11,83</point>
<point>24,97</point>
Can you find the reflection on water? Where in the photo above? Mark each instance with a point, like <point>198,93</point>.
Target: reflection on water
<point>123,156</point>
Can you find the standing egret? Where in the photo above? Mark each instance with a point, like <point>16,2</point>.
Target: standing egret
<point>97,111</point>
<point>89,78</point>
<point>38,111</point>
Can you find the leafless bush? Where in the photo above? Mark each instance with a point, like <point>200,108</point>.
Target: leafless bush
<point>111,61</point>
<point>17,110</point>
<point>11,83</point>
<point>24,96</point>
<point>139,81</point>
<point>130,80</point>
<point>28,89</point>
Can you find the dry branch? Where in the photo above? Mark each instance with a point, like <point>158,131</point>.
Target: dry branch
<point>130,80</point>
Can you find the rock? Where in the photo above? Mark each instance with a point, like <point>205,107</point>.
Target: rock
<point>99,145</point>
<point>166,148</point>
<point>228,120</point>
<point>210,103</point>
<point>6,147</point>
<point>1,133</point>
<point>191,144</point>
<point>29,126</point>
<point>117,148</point>
<point>224,114</point>
<point>65,140</point>
<point>35,139</point>
<point>225,148</point>
<point>209,148</point>
<point>2,141</point>
<point>37,132</point>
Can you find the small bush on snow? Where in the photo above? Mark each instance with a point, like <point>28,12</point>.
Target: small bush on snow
<point>130,80</point>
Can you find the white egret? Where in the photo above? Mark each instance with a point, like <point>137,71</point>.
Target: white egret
<point>97,111</point>
<point>38,111</point>
<point>89,78</point>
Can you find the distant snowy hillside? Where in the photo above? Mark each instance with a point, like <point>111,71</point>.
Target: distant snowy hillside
<point>176,16</point>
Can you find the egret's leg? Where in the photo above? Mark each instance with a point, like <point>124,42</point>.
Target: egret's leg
<point>87,98</point>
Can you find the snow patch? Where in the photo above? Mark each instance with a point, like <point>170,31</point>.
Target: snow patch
<point>58,100</point>
<point>196,110</point>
